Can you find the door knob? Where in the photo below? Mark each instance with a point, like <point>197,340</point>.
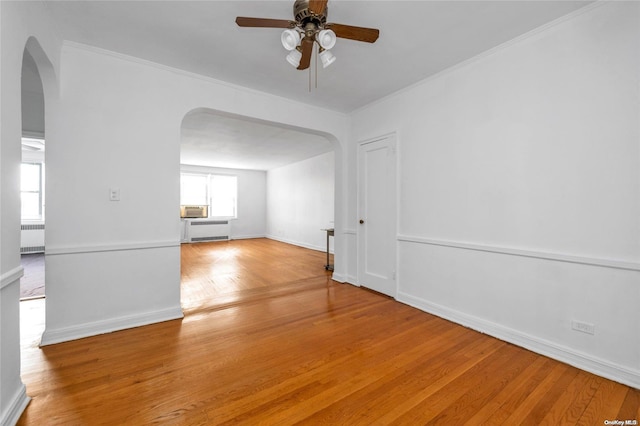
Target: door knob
<point>361,221</point>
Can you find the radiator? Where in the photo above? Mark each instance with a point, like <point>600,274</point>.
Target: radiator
<point>207,230</point>
<point>32,238</point>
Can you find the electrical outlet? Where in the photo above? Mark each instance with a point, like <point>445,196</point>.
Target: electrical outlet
<point>583,327</point>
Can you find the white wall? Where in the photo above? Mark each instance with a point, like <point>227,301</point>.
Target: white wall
<point>18,22</point>
<point>519,178</point>
<point>119,120</point>
<point>111,122</point>
<point>300,201</point>
<point>522,165</point>
<point>252,207</point>
<point>94,124</point>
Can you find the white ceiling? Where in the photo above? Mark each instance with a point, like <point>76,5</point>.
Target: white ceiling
<point>417,39</point>
<point>214,140</point>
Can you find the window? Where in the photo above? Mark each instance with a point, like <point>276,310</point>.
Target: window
<point>194,189</point>
<point>219,192</point>
<point>31,194</point>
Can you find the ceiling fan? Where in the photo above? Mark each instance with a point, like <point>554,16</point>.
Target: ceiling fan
<point>310,25</point>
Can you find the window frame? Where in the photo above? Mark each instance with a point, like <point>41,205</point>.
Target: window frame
<point>209,196</point>
<point>40,191</point>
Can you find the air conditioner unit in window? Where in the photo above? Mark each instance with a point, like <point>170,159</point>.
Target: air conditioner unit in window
<point>194,211</point>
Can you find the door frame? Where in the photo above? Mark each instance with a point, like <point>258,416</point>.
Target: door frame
<point>393,144</point>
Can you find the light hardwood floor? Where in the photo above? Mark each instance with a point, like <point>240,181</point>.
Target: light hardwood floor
<point>268,338</point>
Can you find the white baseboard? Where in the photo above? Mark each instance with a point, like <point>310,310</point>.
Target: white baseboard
<point>339,278</point>
<point>345,279</point>
<point>246,237</point>
<point>15,408</point>
<point>297,243</point>
<point>50,337</point>
<point>349,279</point>
<point>558,352</point>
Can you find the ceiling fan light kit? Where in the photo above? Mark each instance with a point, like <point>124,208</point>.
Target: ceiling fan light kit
<point>294,57</point>
<point>326,39</point>
<point>327,58</point>
<point>309,27</point>
<point>290,39</point>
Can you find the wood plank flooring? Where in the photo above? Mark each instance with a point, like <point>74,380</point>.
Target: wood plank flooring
<point>268,338</point>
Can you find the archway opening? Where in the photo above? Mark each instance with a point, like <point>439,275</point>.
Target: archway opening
<point>38,85</point>
<point>32,183</point>
<point>285,181</point>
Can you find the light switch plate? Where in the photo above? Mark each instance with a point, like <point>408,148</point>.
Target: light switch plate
<point>114,194</point>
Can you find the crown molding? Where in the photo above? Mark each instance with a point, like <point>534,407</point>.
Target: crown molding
<point>189,74</point>
<point>487,53</point>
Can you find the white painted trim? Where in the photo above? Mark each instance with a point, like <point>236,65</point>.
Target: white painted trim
<point>11,277</point>
<point>247,237</point>
<point>544,347</point>
<point>350,232</point>
<point>339,278</point>
<point>487,53</point>
<point>558,257</point>
<point>345,279</point>
<point>16,407</point>
<point>299,244</point>
<point>50,337</point>
<point>52,251</point>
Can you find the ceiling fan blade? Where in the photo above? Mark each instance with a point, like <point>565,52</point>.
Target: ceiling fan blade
<point>307,50</point>
<point>264,22</point>
<point>370,35</point>
<point>318,6</point>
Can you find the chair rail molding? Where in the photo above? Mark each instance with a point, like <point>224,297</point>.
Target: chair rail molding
<point>56,250</point>
<point>11,276</point>
<point>559,257</point>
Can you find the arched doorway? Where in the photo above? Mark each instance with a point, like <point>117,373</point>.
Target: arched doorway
<point>32,185</point>
<point>38,85</point>
<point>279,160</point>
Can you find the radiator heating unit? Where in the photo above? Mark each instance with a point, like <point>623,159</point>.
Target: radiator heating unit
<point>207,230</point>
<point>32,238</point>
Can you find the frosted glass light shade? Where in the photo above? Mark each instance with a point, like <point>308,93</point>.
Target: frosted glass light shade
<point>290,39</point>
<point>326,39</point>
<point>327,58</point>
<point>294,57</point>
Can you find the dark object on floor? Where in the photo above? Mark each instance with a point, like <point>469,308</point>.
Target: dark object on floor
<point>32,283</point>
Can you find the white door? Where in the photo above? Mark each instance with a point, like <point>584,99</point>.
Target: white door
<point>377,215</point>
